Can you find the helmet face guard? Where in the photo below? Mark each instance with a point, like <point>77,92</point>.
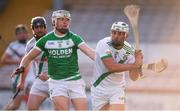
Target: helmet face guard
<point>38,22</point>
<point>120,26</point>
<point>60,14</point>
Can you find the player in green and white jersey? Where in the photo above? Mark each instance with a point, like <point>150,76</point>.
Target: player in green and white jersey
<point>114,56</point>
<point>61,47</point>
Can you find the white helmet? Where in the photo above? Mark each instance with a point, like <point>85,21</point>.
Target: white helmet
<point>60,14</point>
<point>120,26</point>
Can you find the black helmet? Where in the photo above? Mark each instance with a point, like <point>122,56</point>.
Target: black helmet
<point>38,21</point>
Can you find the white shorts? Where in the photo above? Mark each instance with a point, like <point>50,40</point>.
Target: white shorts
<point>40,88</point>
<point>71,89</point>
<point>102,97</point>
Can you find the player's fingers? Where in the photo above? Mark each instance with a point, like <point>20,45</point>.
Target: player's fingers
<point>13,74</point>
<point>137,51</point>
<point>18,71</point>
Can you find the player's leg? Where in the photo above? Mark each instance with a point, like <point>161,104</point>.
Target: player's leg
<point>99,99</point>
<point>59,94</point>
<point>35,101</point>
<point>19,98</point>
<point>117,100</point>
<point>104,107</point>
<point>79,103</point>
<point>78,97</point>
<point>60,102</point>
<point>117,107</point>
<point>15,104</point>
<point>76,91</point>
<point>27,89</point>
<point>38,93</point>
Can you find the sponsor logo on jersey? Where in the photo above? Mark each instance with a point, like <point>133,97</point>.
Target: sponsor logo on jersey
<point>60,53</point>
<point>56,44</point>
<point>51,43</point>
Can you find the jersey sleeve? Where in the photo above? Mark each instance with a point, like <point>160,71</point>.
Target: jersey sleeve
<point>8,50</point>
<point>78,40</point>
<point>28,47</point>
<point>14,50</point>
<point>102,50</point>
<point>40,44</point>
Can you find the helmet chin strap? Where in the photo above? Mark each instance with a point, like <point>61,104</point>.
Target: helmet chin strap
<point>38,37</point>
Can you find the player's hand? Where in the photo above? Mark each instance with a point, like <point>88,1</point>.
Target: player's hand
<point>43,76</point>
<point>20,86</point>
<point>18,71</point>
<point>138,58</point>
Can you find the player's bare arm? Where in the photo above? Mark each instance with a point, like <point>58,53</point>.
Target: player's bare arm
<point>116,67</point>
<point>135,74</point>
<point>29,57</point>
<point>7,59</point>
<point>26,60</point>
<point>87,50</point>
<point>23,78</point>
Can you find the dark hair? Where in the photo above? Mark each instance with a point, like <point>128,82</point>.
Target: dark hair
<point>21,28</point>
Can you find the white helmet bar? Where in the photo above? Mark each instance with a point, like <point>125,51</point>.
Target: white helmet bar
<point>120,26</point>
<point>60,14</point>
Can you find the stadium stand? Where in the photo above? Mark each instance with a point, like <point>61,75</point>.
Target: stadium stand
<point>157,22</point>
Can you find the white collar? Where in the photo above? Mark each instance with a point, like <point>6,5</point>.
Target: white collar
<point>59,36</point>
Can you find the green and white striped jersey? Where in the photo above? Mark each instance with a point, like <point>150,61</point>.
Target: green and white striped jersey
<point>62,55</point>
<point>102,76</point>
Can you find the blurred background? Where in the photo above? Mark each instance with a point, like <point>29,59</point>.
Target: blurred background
<point>159,30</point>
